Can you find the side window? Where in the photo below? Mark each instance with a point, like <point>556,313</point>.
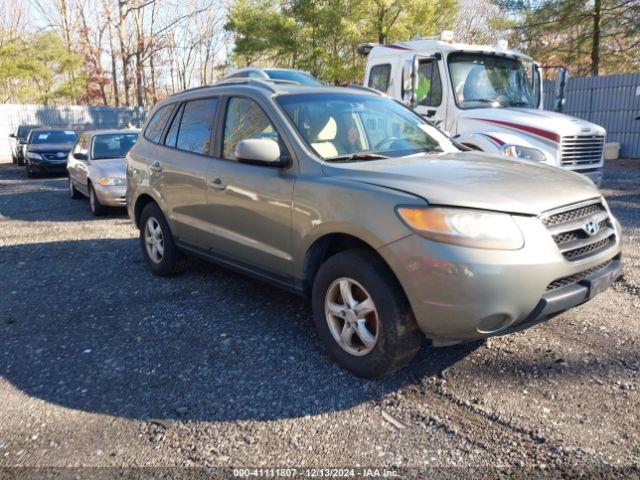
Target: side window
<point>429,89</point>
<point>154,129</point>
<point>245,119</point>
<point>379,77</point>
<point>172,134</point>
<point>196,125</point>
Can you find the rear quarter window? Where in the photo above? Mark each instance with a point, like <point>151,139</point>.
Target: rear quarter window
<point>156,125</point>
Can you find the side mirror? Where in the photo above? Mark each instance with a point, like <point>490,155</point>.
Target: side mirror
<point>414,80</point>
<point>408,92</point>
<point>12,135</point>
<point>561,83</point>
<point>259,151</point>
<point>80,156</point>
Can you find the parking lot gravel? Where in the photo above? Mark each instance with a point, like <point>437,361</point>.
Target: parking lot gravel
<point>103,364</point>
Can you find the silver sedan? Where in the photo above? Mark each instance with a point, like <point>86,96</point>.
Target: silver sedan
<point>97,168</point>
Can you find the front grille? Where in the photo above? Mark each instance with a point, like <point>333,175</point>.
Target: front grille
<point>54,157</point>
<point>571,279</point>
<point>569,230</point>
<point>581,150</point>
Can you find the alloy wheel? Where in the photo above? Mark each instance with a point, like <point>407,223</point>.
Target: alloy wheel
<point>154,240</point>
<point>352,316</point>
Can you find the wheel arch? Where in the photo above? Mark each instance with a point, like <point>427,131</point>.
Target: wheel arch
<point>142,201</point>
<point>327,245</point>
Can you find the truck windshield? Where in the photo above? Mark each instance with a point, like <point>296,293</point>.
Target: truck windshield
<point>484,80</point>
<point>357,127</point>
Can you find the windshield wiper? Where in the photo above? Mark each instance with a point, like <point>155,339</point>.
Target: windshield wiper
<point>356,157</point>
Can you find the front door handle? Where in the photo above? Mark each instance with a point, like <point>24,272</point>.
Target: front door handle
<point>216,184</point>
<point>155,167</point>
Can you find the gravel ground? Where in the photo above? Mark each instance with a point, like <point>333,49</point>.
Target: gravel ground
<point>103,364</point>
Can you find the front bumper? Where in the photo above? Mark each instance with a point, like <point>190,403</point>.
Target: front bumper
<point>45,166</point>
<point>595,175</point>
<point>111,196</point>
<point>462,294</point>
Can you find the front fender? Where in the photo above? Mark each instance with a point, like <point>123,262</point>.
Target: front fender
<point>330,205</point>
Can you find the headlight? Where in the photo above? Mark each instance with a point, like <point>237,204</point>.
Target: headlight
<point>526,153</point>
<point>34,156</point>
<point>114,182</point>
<point>471,228</point>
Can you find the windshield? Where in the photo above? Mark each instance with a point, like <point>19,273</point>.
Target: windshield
<point>349,125</point>
<point>52,136</point>
<point>482,80</point>
<point>114,145</point>
<point>293,76</point>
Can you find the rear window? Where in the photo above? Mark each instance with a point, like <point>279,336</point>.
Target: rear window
<point>154,129</point>
<point>114,145</point>
<point>24,130</point>
<point>52,136</point>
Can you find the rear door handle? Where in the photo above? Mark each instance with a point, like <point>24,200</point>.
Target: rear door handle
<point>156,167</point>
<point>216,184</point>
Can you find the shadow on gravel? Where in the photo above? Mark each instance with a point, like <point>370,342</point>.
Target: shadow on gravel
<point>84,324</point>
<point>43,199</point>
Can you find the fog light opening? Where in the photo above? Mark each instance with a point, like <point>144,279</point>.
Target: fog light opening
<point>494,323</point>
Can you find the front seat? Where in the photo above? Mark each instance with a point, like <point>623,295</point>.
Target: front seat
<point>322,134</point>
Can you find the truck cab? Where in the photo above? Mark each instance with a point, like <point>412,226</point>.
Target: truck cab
<point>487,98</point>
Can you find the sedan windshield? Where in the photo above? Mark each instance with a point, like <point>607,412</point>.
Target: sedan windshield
<point>357,127</point>
<point>114,145</point>
<point>293,76</point>
<point>52,136</point>
<point>482,80</point>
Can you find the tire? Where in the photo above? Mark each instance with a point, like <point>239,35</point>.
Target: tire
<point>97,209</point>
<point>30,173</point>
<point>73,193</point>
<point>397,337</point>
<point>171,261</point>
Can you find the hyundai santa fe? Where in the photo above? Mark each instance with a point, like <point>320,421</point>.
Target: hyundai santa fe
<point>350,198</point>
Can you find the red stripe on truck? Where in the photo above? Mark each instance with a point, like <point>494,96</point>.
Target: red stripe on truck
<point>397,47</point>
<point>536,131</point>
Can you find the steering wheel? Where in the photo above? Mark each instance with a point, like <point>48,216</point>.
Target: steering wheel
<point>384,142</point>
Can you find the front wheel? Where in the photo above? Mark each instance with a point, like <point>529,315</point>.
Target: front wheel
<point>97,209</point>
<point>363,316</point>
<point>156,241</point>
<point>73,192</point>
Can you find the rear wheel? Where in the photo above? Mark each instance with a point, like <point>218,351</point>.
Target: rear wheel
<point>362,315</point>
<point>97,209</point>
<point>156,241</point>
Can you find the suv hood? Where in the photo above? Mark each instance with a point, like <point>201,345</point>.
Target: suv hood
<point>474,180</point>
<point>50,147</point>
<point>551,126</point>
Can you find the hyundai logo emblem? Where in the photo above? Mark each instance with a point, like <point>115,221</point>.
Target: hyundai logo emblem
<point>60,154</point>
<point>591,227</point>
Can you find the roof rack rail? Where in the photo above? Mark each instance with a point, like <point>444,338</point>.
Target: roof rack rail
<point>366,89</point>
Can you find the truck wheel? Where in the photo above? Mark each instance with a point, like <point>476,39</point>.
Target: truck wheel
<point>97,209</point>
<point>363,316</point>
<point>158,248</point>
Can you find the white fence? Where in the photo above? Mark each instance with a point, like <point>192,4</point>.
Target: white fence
<point>77,117</point>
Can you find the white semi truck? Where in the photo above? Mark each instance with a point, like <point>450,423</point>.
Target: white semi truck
<point>487,98</point>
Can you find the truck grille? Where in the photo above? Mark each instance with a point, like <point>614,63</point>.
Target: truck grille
<point>581,150</point>
<point>581,231</point>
